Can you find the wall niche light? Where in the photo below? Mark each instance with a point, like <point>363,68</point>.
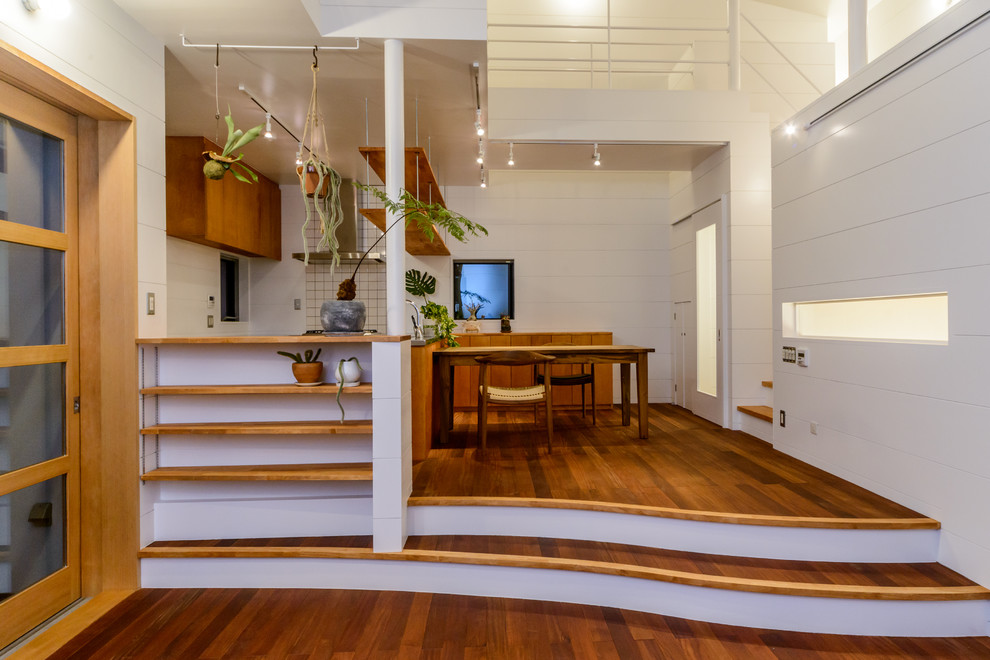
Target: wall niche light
<point>52,8</point>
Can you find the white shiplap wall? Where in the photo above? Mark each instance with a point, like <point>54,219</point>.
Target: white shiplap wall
<point>890,195</point>
<point>591,253</point>
<point>104,50</point>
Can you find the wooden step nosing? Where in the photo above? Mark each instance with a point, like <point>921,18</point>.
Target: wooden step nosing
<point>766,520</point>
<point>287,472</point>
<point>306,427</point>
<point>751,585</point>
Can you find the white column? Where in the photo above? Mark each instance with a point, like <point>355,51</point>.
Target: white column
<point>735,47</point>
<point>395,176</point>
<point>858,36</point>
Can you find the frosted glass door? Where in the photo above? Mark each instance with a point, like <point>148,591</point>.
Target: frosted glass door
<point>39,483</point>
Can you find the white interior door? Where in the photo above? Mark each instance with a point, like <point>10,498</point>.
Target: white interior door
<point>683,352</point>
<point>709,391</point>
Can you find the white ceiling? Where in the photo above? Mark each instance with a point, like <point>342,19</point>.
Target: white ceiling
<point>439,87</point>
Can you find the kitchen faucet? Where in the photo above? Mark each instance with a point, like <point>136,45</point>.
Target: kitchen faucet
<point>417,330</point>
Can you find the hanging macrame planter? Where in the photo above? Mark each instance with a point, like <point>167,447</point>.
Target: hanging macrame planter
<point>318,182</point>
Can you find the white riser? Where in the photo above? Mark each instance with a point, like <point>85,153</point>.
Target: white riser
<point>233,519</point>
<point>797,613</point>
<point>848,545</point>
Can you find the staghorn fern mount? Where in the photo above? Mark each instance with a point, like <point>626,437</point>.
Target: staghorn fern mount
<point>217,165</point>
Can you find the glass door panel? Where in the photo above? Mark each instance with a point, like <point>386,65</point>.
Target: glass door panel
<point>39,483</point>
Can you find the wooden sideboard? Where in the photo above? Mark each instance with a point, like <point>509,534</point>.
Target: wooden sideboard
<point>425,417</point>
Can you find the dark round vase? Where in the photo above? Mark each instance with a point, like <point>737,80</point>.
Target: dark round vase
<point>342,316</point>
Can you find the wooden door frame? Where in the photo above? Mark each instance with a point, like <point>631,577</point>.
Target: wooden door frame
<point>108,359</point>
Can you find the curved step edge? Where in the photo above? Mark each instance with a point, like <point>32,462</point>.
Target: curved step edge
<point>813,614</point>
<point>815,590</point>
<point>892,544</point>
<point>681,514</point>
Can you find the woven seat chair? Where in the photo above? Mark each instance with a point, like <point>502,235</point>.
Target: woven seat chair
<point>573,380</point>
<point>530,395</point>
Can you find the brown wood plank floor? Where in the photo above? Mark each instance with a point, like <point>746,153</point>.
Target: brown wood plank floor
<point>303,624</point>
<point>687,462</point>
<point>864,574</point>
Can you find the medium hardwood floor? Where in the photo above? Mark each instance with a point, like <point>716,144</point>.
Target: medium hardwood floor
<point>687,463</point>
<point>302,624</point>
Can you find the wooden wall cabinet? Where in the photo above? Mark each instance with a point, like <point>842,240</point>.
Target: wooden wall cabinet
<point>226,214</point>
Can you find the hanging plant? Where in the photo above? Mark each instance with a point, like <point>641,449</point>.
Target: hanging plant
<point>318,182</point>
<point>217,165</point>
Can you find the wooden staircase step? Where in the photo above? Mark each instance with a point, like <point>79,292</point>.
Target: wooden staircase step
<point>679,514</point>
<point>321,427</point>
<point>760,412</point>
<point>292,472</point>
<point>929,581</point>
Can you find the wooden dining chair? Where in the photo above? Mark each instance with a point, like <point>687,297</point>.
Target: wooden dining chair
<point>509,396</point>
<point>585,377</point>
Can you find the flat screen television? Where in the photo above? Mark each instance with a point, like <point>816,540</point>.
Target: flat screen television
<point>488,282</point>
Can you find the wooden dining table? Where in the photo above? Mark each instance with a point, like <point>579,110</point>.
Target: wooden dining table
<point>446,359</point>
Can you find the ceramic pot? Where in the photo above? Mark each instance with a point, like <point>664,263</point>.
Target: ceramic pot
<point>312,180</point>
<point>307,372</point>
<point>343,316</point>
<point>349,373</point>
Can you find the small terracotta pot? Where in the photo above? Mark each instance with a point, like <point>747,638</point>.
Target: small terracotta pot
<point>312,180</point>
<point>307,372</point>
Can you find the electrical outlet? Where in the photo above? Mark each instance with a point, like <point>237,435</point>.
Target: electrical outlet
<point>802,357</point>
<point>211,303</point>
<point>814,428</point>
<point>783,419</point>
<point>209,320</point>
<point>151,304</point>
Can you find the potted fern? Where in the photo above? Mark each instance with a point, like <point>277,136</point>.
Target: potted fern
<point>218,164</point>
<point>422,285</point>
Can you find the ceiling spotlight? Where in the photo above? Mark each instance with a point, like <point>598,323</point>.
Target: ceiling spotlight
<point>481,152</point>
<point>268,126</point>
<point>790,129</point>
<point>597,156</point>
<point>512,161</point>
<point>53,8</point>
<point>477,123</point>
<point>484,182</point>
<point>299,160</point>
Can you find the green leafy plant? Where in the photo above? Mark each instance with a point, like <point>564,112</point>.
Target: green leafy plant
<point>217,164</point>
<point>309,356</point>
<point>420,284</point>
<point>444,324</point>
<point>411,210</point>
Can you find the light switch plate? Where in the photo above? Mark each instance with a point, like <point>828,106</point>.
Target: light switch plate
<point>209,320</point>
<point>151,304</point>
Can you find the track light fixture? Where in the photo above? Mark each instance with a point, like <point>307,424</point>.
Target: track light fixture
<point>790,129</point>
<point>477,123</point>
<point>481,152</point>
<point>597,156</point>
<point>299,160</point>
<point>512,161</point>
<point>268,126</point>
<point>484,178</point>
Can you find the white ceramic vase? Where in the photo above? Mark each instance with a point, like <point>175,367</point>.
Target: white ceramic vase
<point>349,372</point>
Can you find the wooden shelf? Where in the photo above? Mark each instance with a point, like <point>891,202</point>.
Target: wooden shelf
<point>357,427</point>
<point>295,472</point>
<point>760,412</point>
<point>324,389</point>
<point>421,182</point>
<point>416,241</point>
